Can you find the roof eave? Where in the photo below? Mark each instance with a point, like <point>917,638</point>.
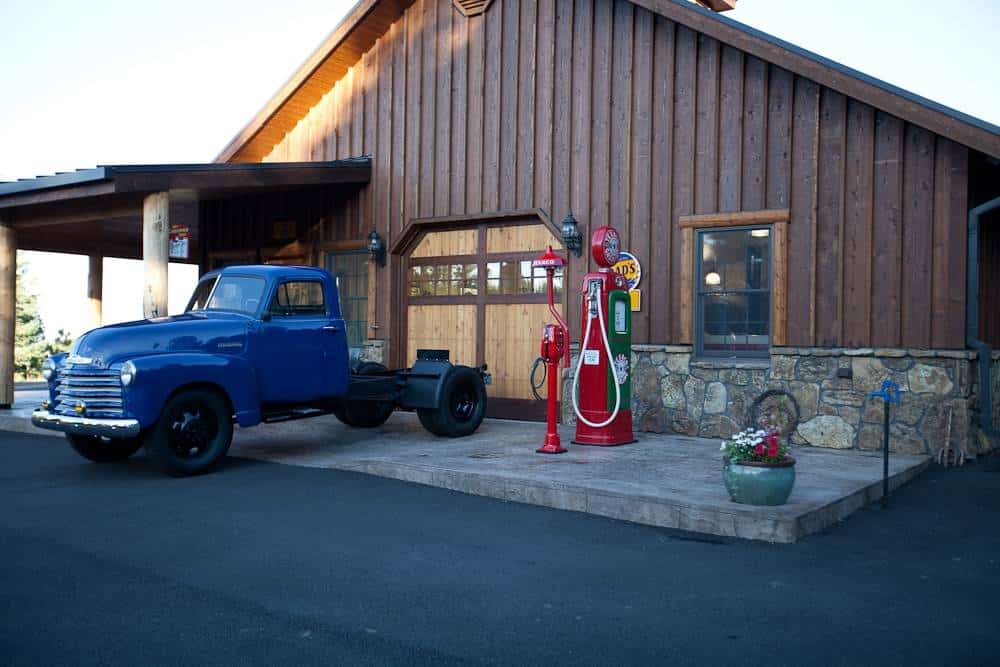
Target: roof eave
<point>938,118</point>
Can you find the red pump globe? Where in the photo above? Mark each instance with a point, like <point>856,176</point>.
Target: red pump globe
<point>605,246</point>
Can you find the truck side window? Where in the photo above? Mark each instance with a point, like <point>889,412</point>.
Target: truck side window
<point>298,298</point>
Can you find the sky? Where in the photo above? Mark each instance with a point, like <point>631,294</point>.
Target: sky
<point>120,81</point>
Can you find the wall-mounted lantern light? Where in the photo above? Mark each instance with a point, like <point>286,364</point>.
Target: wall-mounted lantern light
<point>571,235</point>
<point>376,248</point>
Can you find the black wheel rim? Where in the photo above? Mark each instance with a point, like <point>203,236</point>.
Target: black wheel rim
<point>192,428</point>
<point>463,404</point>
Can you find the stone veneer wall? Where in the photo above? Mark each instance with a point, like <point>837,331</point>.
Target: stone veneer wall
<point>673,392</point>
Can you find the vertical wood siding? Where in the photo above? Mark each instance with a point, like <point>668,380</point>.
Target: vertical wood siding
<point>601,108</point>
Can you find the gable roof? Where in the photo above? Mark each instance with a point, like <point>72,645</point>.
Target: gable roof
<point>369,19</point>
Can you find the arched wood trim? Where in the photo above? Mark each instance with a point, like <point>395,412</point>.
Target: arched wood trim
<point>413,232</point>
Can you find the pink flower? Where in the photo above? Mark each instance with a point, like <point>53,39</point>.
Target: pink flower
<point>760,450</point>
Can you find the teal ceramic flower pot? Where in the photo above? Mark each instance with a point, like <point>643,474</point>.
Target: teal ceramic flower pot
<point>754,483</point>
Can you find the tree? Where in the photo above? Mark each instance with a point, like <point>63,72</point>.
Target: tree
<point>62,343</point>
<point>30,347</point>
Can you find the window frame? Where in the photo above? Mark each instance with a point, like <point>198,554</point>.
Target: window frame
<point>778,219</point>
<point>323,314</point>
<point>330,263</point>
<point>700,292</point>
<point>218,281</point>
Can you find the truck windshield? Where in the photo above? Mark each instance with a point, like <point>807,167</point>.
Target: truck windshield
<point>241,294</point>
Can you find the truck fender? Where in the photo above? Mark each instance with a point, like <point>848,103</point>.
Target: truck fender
<point>159,376</point>
<point>424,383</point>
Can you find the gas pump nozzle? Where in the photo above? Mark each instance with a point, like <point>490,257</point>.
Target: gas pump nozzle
<point>593,296</point>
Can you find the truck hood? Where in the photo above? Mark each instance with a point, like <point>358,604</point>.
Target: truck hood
<point>217,332</point>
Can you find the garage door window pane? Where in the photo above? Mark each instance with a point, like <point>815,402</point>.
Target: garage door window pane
<point>444,280</point>
<point>518,277</point>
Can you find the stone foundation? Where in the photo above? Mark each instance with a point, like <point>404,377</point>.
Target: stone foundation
<point>672,392</point>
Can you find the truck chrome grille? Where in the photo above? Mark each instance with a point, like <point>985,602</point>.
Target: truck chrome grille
<point>99,388</point>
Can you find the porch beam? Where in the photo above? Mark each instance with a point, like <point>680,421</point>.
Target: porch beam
<point>8,285</point>
<point>155,253</point>
<point>73,212</point>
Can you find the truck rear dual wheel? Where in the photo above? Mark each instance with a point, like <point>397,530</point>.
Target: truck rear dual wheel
<point>461,407</point>
<point>365,414</point>
<point>103,450</point>
<point>193,433</point>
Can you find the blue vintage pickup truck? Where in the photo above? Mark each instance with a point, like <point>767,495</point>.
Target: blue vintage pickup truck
<point>255,344</point>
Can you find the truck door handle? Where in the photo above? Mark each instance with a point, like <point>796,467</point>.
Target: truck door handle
<point>331,327</point>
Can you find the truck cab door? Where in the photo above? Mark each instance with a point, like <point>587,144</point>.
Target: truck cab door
<point>297,356</point>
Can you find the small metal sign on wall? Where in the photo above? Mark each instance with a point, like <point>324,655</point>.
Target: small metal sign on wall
<point>472,7</point>
<point>179,241</point>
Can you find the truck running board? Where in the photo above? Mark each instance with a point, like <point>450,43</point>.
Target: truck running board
<point>293,414</point>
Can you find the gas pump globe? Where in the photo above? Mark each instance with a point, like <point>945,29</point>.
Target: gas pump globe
<point>601,391</point>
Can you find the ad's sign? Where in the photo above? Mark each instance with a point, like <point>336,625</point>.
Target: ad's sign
<point>629,268</point>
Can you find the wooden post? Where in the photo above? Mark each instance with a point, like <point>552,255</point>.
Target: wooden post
<point>155,253</point>
<point>95,296</point>
<point>8,285</point>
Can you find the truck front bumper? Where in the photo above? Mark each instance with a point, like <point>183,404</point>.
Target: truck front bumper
<point>108,428</point>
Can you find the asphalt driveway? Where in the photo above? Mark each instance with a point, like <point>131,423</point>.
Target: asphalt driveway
<point>269,564</point>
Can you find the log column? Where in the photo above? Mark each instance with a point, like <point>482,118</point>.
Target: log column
<point>95,294</point>
<point>8,283</point>
<point>155,253</point>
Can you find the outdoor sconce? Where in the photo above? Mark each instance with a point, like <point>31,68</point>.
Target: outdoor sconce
<point>571,235</point>
<point>376,248</point>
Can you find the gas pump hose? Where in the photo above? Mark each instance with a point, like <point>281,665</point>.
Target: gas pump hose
<point>540,361</point>
<point>611,363</point>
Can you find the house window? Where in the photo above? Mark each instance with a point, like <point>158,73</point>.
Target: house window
<point>350,270</point>
<point>733,292</point>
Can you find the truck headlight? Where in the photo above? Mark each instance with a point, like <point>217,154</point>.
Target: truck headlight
<point>48,368</point>
<point>127,373</point>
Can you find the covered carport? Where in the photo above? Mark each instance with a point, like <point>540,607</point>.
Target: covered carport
<point>156,213</point>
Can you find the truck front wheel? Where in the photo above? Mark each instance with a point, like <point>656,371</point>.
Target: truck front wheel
<point>461,407</point>
<point>193,433</point>
<point>103,450</point>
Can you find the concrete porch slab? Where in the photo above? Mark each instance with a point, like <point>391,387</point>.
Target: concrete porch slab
<point>669,481</point>
<point>663,480</point>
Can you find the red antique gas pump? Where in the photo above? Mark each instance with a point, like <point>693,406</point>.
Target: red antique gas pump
<point>602,371</point>
<point>554,349</point>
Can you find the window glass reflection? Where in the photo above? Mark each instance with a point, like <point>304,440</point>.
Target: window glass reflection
<point>518,277</point>
<point>444,280</point>
<point>734,292</point>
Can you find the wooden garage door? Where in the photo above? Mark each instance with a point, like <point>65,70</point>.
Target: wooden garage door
<point>472,291</point>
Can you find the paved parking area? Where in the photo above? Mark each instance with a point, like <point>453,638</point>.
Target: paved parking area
<point>263,564</point>
<point>667,481</point>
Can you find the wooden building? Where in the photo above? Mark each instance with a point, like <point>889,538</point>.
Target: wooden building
<point>799,224</point>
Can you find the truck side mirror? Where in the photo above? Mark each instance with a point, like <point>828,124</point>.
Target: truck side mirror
<point>265,316</point>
